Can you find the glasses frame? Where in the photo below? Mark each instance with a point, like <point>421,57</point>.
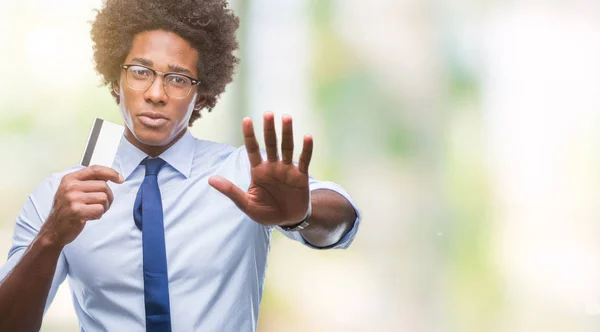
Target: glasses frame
<point>164,76</point>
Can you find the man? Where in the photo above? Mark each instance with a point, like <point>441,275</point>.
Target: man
<point>149,244</point>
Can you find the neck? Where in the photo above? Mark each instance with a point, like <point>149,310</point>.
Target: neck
<point>151,150</point>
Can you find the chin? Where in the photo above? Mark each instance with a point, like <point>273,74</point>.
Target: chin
<point>152,136</point>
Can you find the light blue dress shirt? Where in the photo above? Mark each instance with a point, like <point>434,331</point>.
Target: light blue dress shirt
<point>216,255</point>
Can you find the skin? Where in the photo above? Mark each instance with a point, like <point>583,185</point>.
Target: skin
<point>81,196</point>
<point>278,193</point>
<point>166,52</point>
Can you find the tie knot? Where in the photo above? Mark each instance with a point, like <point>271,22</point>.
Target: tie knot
<point>153,166</point>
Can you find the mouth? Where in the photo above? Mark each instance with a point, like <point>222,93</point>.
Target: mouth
<point>152,119</point>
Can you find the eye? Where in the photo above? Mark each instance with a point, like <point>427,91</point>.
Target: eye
<point>141,73</point>
<point>179,81</point>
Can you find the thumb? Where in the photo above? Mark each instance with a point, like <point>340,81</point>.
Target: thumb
<point>230,190</point>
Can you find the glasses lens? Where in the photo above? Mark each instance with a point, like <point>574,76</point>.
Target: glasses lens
<point>139,78</point>
<point>177,86</point>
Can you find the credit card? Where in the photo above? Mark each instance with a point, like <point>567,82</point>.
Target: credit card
<point>102,144</point>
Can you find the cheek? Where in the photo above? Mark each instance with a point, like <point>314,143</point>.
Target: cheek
<point>184,112</point>
<point>188,109</point>
<point>128,99</point>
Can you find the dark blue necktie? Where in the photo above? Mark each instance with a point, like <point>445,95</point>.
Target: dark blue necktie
<point>148,212</point>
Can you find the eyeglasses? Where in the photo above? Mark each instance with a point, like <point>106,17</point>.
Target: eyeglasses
<point>176,85</point>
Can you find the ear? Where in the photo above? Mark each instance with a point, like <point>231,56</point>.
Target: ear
<point>116,88</point>
<point>200,101</point>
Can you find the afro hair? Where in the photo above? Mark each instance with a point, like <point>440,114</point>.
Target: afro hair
<point>208,25</point>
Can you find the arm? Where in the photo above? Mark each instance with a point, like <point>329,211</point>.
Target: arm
<point>81,196</point>
<point>279,192</point>
<point>332,217</point>
<point>24,291</point>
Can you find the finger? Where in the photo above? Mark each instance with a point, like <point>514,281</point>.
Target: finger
<point>97,172</point>
<point>287,139</point>
<point>270,137</point>
<point>91,212</point>
<point>251,143</point>
<point>97,198</point>
<point>306,154</point>
<point>230,190</point>
<point>96,186</point>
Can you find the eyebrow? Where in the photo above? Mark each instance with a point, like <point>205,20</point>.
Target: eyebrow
<point>172,68</point>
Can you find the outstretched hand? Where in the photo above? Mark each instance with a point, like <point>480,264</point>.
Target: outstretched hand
<point>278,193</point>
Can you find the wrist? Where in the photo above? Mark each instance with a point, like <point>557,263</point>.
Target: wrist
<point>49,239</point>
<point>299,225</point>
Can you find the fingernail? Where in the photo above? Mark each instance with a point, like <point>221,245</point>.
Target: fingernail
<point>121,178</point>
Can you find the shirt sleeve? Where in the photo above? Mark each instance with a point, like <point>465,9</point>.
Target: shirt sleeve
<point>27,225</point>
<point>347,239</point>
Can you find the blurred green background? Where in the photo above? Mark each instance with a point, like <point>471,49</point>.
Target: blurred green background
<point>467,132</point>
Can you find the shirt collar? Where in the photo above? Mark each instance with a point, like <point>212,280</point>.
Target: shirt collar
<point>180,155</point>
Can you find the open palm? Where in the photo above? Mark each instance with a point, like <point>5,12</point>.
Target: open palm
<point>278,193</point>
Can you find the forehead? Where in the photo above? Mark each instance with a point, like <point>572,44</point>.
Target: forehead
<point>163,49</point>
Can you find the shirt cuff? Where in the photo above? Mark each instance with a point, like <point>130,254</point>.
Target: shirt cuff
<point>347,238</point>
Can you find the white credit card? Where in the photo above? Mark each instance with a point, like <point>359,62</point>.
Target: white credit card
<point>102,144</point>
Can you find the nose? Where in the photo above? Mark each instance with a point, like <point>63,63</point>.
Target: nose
<point>156,92</point>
